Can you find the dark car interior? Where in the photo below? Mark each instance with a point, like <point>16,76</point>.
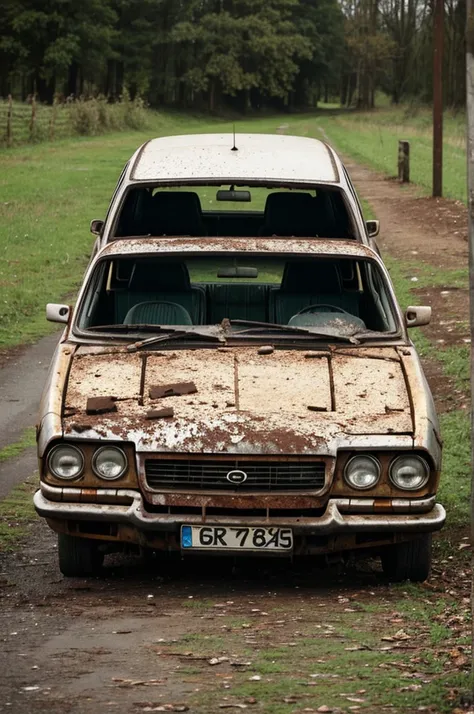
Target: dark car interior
<point>300,292</point>
<point>317,213</point>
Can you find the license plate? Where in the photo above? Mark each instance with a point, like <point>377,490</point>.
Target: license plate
<point>236,538</point>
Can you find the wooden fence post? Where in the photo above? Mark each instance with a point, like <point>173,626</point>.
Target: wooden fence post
<point>33,117</point>
<point>470,194</point>
<point>52,120</point>
<point>404,161</point>
<point>9,120</point>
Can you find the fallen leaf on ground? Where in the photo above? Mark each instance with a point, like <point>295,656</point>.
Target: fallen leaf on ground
<point>410,688</point>
<point>164,707</point>
<point>138,682</point>
<point>232,706</point>
<point>401,635</point>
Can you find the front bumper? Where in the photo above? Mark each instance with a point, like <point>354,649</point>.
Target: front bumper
<point>334,520</point>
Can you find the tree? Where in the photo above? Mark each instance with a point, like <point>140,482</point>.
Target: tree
<point>243,48</point>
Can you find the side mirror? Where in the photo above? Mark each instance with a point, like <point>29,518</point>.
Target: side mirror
<point>373,228</point>
<point>97,226</point>
<point>417,315</point>
<point>57,313</point>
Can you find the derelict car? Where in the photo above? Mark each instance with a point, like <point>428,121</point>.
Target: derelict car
<point>240,394</point>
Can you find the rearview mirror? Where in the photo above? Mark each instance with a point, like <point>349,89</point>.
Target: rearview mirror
<point>373,228</point>
<point>57,313</point>
<point>238,196</point>
<point>237,272</point>
<point>417,315</point>
<point>97,226</point>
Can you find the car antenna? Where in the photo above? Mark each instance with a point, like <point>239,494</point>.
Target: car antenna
<point>234,148</point>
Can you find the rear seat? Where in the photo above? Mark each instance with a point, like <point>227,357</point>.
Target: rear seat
<point>176,213</point>
<point>164,281</point>
<point>289,214</point>
<point>310,283</point>
<point>242,301</point>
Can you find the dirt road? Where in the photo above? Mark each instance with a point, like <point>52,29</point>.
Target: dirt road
<point>166,635</point>
<point>147,635</point>
<point>22,375</point>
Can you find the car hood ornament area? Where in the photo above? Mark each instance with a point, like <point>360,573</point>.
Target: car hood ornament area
<point>237,477</point>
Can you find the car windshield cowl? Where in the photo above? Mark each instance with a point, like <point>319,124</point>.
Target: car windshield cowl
<point>226,331</point>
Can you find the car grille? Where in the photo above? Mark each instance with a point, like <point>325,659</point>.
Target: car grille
<point>212,475</point>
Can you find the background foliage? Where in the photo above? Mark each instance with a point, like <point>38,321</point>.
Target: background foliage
<point>240,54</point>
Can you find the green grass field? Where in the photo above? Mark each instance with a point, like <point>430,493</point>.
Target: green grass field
<point>372,138</point>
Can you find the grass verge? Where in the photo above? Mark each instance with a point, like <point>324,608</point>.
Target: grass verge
<point>362,654</point>
<point>26,441</point>
<point>17,513</point>
<point>370,139</point>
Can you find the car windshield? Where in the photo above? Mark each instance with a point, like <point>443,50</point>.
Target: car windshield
<point>232,210</point>
<point>243,295</point>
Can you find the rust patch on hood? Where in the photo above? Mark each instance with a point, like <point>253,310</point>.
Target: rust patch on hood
<point>160,413</point>
<point>172,390</point>
<point>101,405</point>
<point>283,404</point>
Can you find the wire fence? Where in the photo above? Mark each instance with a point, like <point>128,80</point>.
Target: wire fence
<point>33,122</point>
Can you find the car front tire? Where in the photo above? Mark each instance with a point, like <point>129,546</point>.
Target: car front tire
<point>78,557</point>
<point>410,560</point>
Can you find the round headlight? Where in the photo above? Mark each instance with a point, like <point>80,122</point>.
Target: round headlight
<point>66,462</point>
<point>362,472</point>
<point>109,463</point>
<point>409,472</point>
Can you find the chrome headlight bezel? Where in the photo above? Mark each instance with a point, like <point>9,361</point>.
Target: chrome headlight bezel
<point>374,461</point>
<point>97,455</point>
<point>420,460</point>
<point>63,447</point>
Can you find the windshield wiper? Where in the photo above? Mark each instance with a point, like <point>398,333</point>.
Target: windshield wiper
<point>175,334</point>
<point>291,328</point>
<point>165,333</point>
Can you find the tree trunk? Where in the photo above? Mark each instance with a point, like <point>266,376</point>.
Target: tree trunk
<point>73,73</point>
<point>212,96</point>
<point>110,88</point>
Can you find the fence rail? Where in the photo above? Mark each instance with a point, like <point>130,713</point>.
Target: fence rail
<point>31,122</point>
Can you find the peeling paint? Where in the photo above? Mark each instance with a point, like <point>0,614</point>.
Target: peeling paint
<point>243,404</point>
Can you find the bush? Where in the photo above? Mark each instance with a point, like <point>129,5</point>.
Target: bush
<point>96,116</point>
<point>85,117</point>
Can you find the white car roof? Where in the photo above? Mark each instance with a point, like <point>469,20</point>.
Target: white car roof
<point>335,248</point>
<point>260,157</point>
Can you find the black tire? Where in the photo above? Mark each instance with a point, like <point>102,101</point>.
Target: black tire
<point>410,560</point>
<point>78,557</point>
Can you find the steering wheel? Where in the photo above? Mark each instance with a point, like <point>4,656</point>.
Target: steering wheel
<point>323,308</point>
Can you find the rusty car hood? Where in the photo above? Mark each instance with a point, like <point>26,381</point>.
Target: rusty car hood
<point>286,402</point>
